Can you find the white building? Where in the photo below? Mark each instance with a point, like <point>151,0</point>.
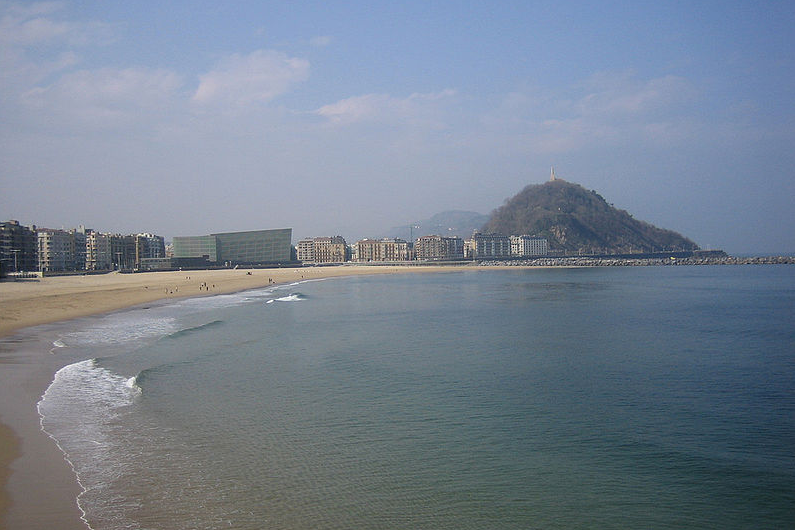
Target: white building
<point>529,246</point>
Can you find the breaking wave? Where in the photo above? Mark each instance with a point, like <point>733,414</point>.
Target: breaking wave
<point>194,329</point>
<point>76,411</point>
<point>292,297</point>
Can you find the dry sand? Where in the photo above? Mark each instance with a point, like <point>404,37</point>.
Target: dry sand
<point>37,487</point>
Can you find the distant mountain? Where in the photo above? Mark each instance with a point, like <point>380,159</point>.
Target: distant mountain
<point>449,224</point>
<point>575,219</point>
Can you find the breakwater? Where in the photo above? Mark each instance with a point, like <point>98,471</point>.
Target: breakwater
<point>603,261</point>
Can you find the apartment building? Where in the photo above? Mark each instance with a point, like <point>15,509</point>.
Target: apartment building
<point>98,251</point>
<point>122,251</point>
<point>18,247</point>
<point>56,250</point>
<point>439,248</point>
<point>323,250</point>
<point>305,250</point>
<point>368,250</point>
<point>529,246</point>
<point>488,246</point>
<point>149,246</point>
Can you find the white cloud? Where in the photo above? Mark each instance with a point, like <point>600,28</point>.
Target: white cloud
<point>36,24</point>
<point>355,108</point>
<point>106,94</point>
<point>35,43</point>
<point>607,109</point>
<point>31,31</point>
<point>416,108</point>
<point>623,93</point>
<point>259,77</point>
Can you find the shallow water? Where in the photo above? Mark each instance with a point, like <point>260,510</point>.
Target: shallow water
<point>656,397</point>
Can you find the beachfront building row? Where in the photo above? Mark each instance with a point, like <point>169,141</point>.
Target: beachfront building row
<point>28,249</point>
<point>440,248</point>
<point>228,249</point>
<point>323,250</point>
<point>84,249</point>
<point>426,248</point>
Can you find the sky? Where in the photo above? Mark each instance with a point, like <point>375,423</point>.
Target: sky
<point>350,118</point>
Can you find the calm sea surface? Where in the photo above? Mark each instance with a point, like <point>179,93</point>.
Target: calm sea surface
<point>660,397</point>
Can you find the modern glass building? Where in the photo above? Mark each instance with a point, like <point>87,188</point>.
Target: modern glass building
<point>196,247</point>
<point>238,248</point>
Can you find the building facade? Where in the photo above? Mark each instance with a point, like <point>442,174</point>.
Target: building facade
<point>122,251</point>
<point>486,246</point>
<point>439,248</point>
<point>382,250</point>
<point>323,250</point>
<point>331,250</point>
<point>196,247</point>
<point>529,246</point>
<point>154,264</point>
<point>149,246</point>
<point>79,236</point>
<point>98,251</point>
<point>305,250</point>
<point>18,247</point>
<point>255,247</point>
<point>56,250</point>
<point>237,248</point>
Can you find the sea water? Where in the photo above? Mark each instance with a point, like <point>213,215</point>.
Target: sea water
<point>659,397</point>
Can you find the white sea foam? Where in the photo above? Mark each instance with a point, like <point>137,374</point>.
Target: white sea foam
<point>292,297</point>
<point>86,382</point>
<point>212,302</point>
<point>132,384</point>
<point>122,328</point>
<point>309,281</point>
<point>75,411</point>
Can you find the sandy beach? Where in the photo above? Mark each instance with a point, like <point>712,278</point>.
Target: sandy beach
<point>37,487</point>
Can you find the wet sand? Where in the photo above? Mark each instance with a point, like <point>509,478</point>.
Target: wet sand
<point>37,487</point>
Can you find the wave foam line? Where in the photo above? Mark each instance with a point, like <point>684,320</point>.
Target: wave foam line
<point>292,297</point>
<point>194,329</point>
<point>90,364</point>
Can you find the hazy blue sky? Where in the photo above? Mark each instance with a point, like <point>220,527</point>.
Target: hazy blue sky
<point>185,118</point>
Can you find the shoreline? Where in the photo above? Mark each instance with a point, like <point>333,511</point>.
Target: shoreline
<point>38,488</point>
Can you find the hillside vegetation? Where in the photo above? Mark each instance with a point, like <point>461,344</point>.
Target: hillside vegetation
<point>575,219</point>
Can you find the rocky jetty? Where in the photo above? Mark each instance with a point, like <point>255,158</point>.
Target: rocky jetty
<point>588,261</point>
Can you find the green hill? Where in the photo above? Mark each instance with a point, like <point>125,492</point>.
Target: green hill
<point>575,219</point>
